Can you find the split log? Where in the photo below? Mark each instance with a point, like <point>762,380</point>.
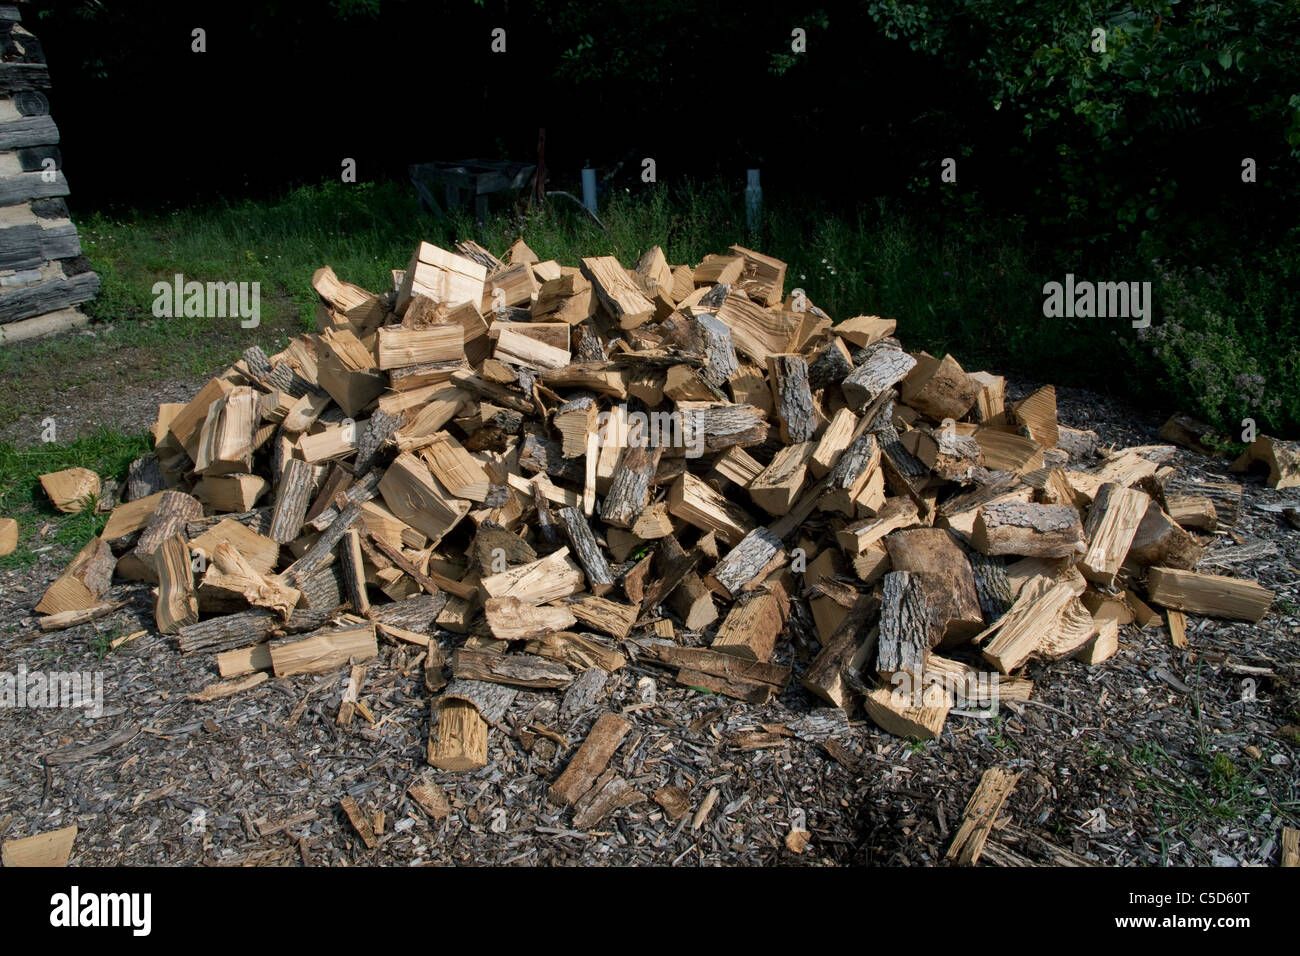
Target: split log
<point>611,617</point>
<point>757,554</point>
<point>324,651</point>
<point>851,474</point>
<point>442,276</point>
<point>1004,451</point>
<point>578,651</point>
<point>792,397</point>
<point>944,575</point>
<point>518,670</point>
<point>1160,541</point>
<point>629,491</point>
<point>1043,531</point>
<point>173,512</point>
<point>1032,619</point>
<point>939,389</point>
<point>231,572</point>
<point>512,620</point>
<point>353,570</point>
<point>321,551</point>
<point>851,645</point>
<point>834,440</point>
<point>539,582</point>
<point>776,488</point>
<point>351,696</point>
<point>916,716</point>
<point>411,492</point>
<point>1112,522</point>
<point>1037,415</point>
<point>292,497</point>
<point>1191,511</point>
<point>909,626</point>
<point>709,427</point>
<point>883,367</point>
<point>623,300</point>
<point>698,505</point>
<point>72,489</point>
<point>897,513</point>
<point>762,278</point>
<point>83,583</point>
<point>1226,497</point>
<point>751,628</point>
<point>1212,595</point>
<point>226,438</point>
<point>176,605</point>
<point>1281,457</point>
<point>831,366</point>
<point>66,619</point>
<point>583,544</point>
<point>980,815</point>
<point>458,740</point>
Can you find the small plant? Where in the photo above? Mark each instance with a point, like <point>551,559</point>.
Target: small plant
<point>998,738</point>
<point>102,643</point>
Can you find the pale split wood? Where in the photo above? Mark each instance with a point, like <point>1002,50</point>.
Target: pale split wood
<point>980,815</point>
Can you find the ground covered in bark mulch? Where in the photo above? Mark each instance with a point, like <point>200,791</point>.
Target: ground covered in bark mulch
<point>1158,756</point>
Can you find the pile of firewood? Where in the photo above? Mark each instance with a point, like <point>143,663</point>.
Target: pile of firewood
<point>537,471</point>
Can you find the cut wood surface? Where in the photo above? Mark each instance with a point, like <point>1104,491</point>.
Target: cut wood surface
<point>72,490</point>
<point>51,848</point>
<point>459,740</point>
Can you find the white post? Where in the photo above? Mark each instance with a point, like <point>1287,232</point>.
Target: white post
<point>589,189</point>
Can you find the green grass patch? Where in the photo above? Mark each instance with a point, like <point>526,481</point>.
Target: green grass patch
<point>106,452</point>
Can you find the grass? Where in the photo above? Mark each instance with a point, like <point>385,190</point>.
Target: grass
<point>1209,789</point>
<point>959,281</point>
<point>106,452</point>
<point>869,260</point>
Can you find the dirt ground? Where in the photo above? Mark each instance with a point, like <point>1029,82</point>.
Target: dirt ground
<point>1158,756</point>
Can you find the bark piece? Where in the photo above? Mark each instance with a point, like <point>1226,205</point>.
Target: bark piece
<point>792,397</point>
<point>1023,528</point>
<point>578,777</point>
